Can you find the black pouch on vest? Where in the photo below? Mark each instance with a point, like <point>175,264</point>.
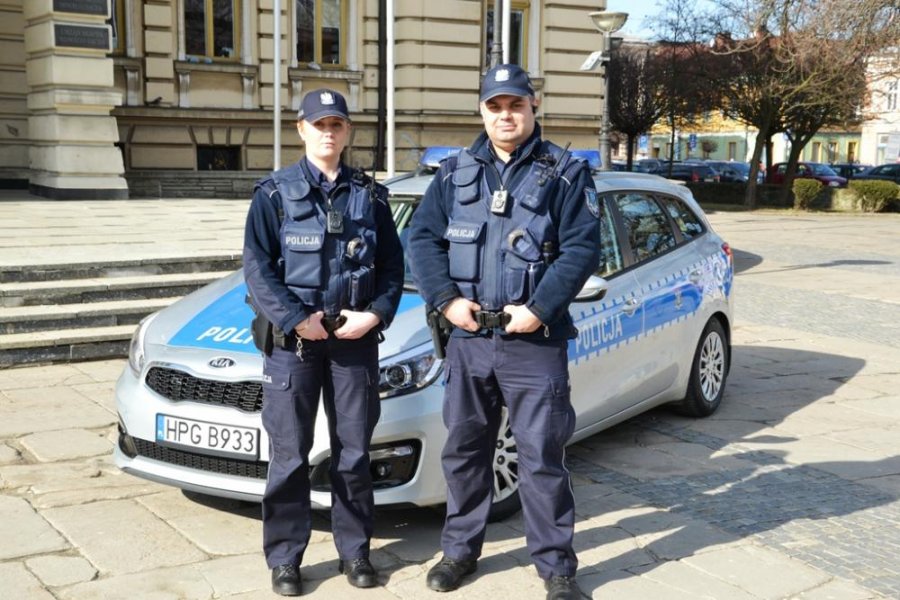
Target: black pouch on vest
<point>362,287</point>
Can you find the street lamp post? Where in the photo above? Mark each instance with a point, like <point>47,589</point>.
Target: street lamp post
<point>607,23</point>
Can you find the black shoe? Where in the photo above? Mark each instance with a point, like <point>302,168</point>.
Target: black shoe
<point>360,572</point>
<point>446,575</point>
<point>562,588</point>
<point>286,580</point>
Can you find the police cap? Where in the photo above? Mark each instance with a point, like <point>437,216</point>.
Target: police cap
<point>502,80</point>
<point>319,104</point>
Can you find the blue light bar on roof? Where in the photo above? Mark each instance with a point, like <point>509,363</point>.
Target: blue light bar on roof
<point>591,157</point>
<point>433,155</point>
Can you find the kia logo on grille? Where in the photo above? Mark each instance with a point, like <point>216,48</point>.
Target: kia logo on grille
<point>221,362</point>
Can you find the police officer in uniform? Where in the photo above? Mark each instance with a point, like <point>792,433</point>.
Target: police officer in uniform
<point>505,237</point>
<point>324,266</point>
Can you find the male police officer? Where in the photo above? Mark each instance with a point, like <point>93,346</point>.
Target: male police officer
<point>504,239</point>
<point>324,265</point>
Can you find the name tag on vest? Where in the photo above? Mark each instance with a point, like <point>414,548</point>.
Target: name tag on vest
<point>305,241</point>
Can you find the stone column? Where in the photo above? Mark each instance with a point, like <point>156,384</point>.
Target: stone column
<point>70,96</point>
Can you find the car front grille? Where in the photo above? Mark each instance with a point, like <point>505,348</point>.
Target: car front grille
<point>201,462</point>
<point>183,387</point>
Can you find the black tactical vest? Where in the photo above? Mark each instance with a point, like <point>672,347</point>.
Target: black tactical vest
<point>328,270</point>
<point>498,259</point>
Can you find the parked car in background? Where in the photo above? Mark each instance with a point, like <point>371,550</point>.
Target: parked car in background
<point>692,172</point>
<point>649,165</point>
<point>849,170</point>
<point>889,172</point>
<point>654,327</point>
<point>808,170</point>
<point>732,171</point>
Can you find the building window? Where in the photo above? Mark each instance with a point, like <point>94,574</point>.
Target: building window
<point>116,24</point>
<point>891,96</point>
<point>320,28</point>
<point>732,150</point>
<point>851,152</point>
<point>832,152</point>
<point>518,33</point>
<point>816,152</point>
<point>218,158</point>
<point>211,28</point>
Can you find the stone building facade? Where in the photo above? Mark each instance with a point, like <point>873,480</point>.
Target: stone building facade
<point>188,85</point>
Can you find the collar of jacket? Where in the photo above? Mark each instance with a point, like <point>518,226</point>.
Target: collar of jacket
<point>481,149</point>
<point>316,178</point>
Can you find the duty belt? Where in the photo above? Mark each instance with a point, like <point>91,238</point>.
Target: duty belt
<point>491,320</point>
<point>329,324</point>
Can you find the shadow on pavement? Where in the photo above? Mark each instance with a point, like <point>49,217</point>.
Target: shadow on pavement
<point>695,483</point>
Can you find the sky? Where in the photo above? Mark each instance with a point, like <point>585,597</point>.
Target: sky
<point>637,11</point>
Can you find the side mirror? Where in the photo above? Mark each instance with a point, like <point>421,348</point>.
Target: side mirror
<point>595,289</point>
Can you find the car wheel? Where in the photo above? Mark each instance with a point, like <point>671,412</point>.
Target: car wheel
<point>506,473</point>
<point>708,372</point>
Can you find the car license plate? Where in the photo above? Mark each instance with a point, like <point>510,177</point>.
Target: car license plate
<point>208,438</point>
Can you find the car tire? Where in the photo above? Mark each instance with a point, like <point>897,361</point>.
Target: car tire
<point>506,500</point>
<point>709,370</point>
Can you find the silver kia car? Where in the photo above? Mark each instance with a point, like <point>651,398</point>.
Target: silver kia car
<point>654,327</point>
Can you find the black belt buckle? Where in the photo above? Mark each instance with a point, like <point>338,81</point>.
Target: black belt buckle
<point>330,324</point>
<point>491,320</point>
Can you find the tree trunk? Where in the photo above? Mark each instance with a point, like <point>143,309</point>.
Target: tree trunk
<point>750,194</point>
<point>790,173</point>
<point>629,161</point>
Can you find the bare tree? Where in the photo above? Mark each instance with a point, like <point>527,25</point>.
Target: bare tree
<point>635,91</point>
<point>791,65</point>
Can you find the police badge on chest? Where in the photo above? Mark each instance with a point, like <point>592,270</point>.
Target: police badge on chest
<point>498,202</point>
<point>335,222</point>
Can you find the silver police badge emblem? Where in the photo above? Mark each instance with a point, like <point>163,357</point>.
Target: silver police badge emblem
<point>591,201</point>
<point>326,98</point>
<point>502,75</point>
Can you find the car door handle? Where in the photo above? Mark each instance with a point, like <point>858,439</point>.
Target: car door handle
<point>631,305</point>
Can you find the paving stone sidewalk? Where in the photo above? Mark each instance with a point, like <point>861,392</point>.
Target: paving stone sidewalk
<point>790,491</point>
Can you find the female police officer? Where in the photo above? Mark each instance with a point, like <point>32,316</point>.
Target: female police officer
<point>324,265</point>
<point>504,239</point>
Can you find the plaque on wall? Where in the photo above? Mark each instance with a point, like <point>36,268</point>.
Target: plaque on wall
<point>82,7</point>
<point>81,36</point>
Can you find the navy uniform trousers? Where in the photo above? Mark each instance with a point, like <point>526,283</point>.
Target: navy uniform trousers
<point>346,373</point>
<point>531,378</point>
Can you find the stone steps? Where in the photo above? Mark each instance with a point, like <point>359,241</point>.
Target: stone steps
<point>77,291</point>
<point>80,311</point>
<point>25,319</point>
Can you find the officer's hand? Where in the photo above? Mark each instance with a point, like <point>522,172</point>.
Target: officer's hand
<point>357,325</point>
<point>459,312</point>
<point>311,328</point>
<point>523,320</point>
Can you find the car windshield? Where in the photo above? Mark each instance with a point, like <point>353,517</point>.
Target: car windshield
<point>820,169</point>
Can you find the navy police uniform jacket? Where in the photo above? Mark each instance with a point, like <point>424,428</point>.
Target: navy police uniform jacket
<point>296,263</point>
<point>536,248</point>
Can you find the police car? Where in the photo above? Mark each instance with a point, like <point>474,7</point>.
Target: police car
<point>654,327</point>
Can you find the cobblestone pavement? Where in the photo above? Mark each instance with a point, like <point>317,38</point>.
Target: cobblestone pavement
<point>790,491</point>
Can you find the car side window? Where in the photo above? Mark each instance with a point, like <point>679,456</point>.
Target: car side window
<point>689,224</point>
<point>610,253</point>
<point>648,229</point>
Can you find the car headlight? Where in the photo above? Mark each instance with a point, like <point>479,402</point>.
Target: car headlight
<point>408,372</point>
<point>136,347</point>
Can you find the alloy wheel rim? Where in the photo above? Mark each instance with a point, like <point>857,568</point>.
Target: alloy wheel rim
<point>506,461</point>
<point>712,367</point>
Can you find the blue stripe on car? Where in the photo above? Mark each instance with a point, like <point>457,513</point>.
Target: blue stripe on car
<point>225,323</point>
